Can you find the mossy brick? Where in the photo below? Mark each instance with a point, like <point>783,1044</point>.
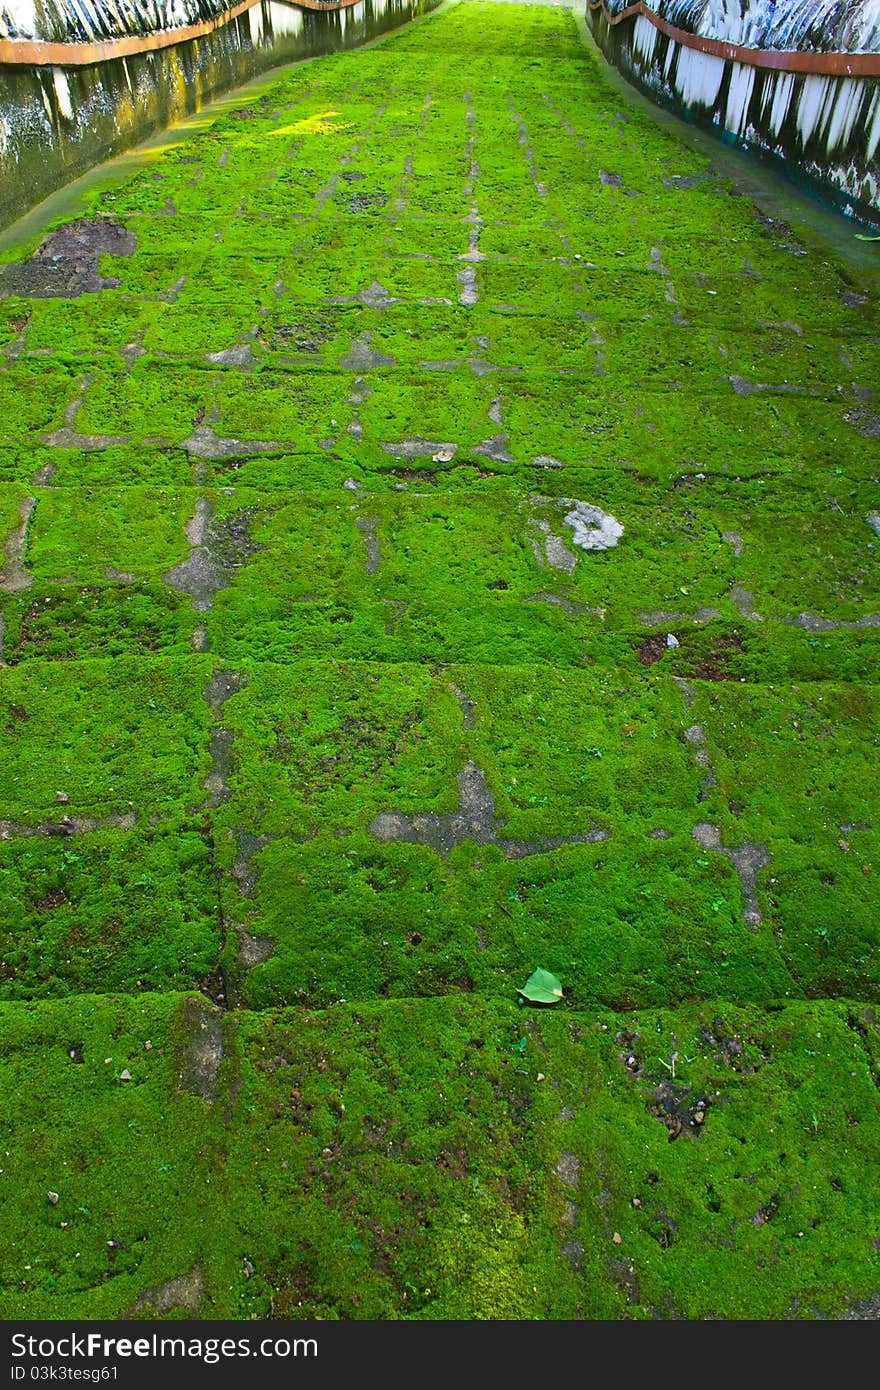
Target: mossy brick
<point>122,1155</point>
<point>79,534</point>
<point>83,328</point>
<point>113,734</point>
<point>107,465</point>
<point>111,911</point>
<point>116,617</point>
<point>154,400</point>
<point>260,1004</point>
<point>33,395</point>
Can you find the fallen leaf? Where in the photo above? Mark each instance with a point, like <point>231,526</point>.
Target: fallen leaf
<point>542,988</point>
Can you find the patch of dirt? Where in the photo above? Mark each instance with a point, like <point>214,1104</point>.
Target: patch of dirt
<point>864,422</point>
<point>68,825</point>
<point>205,443</point>
<point>627,1039</point>
<point>230,538</point>
<point>65,264</point>
<point>744,603</point>
<point>398,610</point>
<point>372,296</point>
<point>559,601</point>
<point>367,525</point>
<point>466,705</point>
<point>813,622</point>
<point>747,859</point>
<point>467,279</point>
<point>218,547</point>
<point>14,578</point>
<point>554,551</point>
<point>572,1251</point>
<point>361,357</point>
<point>683,182</point>
<point>366,201</point>
<point>252,950</point>
<point>622,1273</point>
<point>568,1168</point>
<point>240,355</point>
<point>200,576</point>
<point>54,898</point>
<point>221,685</point>
<point>413,475</point>
<point>246,846</point>
<point>416,446</point>
<point>495,449</point>
<point>215,784</point>
<point>727,1048</point>
<point>713,665</point>
<point>651,648</point>
<point>678,1108</point>
<point>307,335</point>
<point>862,1310</point>
<point>18,323</point>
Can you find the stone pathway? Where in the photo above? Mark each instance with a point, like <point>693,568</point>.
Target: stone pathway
<point>440,540</point>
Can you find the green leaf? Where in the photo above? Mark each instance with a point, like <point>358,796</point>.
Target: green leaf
<point>542,988</point>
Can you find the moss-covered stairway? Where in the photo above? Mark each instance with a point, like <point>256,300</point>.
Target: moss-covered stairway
<point>441,539</point>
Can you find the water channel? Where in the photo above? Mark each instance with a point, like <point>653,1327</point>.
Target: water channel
<point>58,122</point>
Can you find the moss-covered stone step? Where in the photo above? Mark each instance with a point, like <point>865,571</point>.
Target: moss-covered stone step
<point>438,539</point>
<point>438,1159</point>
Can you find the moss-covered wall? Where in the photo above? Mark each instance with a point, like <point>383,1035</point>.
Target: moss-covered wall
<point>821,129</point>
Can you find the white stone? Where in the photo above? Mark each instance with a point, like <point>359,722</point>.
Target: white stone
<point>593,529</point>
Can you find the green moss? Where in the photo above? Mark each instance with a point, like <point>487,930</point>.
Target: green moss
<point>33,395</point>
<point>123,1156</point>
<point>111,911</point>
<point>106,620</point>
<point>244,799</point>
<point>112,734</point>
